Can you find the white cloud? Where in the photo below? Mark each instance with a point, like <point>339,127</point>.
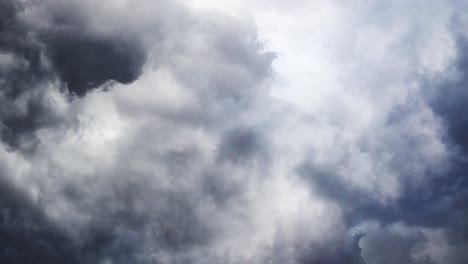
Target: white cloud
<point>221,153</point>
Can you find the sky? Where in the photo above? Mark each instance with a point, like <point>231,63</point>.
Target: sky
<point>229,132</point>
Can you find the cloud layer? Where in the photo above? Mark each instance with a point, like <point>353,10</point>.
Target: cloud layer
<point>165,132</point>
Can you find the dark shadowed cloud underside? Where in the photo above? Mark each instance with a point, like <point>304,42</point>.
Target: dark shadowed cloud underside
<point>157,131</point>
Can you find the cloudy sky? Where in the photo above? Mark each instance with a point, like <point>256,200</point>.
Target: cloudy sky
<point>233,132</point>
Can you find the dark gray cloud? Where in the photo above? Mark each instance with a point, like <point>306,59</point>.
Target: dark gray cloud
<point>85,61</point>
<point>449,99</point>
<point>26,233</point>
<point>427,225</point>
<point>187,159</point>
<point>445,206</point>
<point>243,144</point>
<point>64,56</point>
<point>125,214</point>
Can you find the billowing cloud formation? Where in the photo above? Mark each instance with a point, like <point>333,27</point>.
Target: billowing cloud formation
<point>154,131</point>
<point>57,48</point>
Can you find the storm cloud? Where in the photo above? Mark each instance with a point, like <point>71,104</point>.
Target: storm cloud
<point>59,50</point>
<point>157,131</point>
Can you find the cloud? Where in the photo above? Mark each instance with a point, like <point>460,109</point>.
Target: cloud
<point>57,49</point>
<point>167,132</point>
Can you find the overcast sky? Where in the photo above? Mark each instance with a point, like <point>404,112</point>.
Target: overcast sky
<point>233,132</point>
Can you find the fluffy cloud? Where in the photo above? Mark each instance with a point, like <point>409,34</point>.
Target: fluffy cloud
<point>165,132</point>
